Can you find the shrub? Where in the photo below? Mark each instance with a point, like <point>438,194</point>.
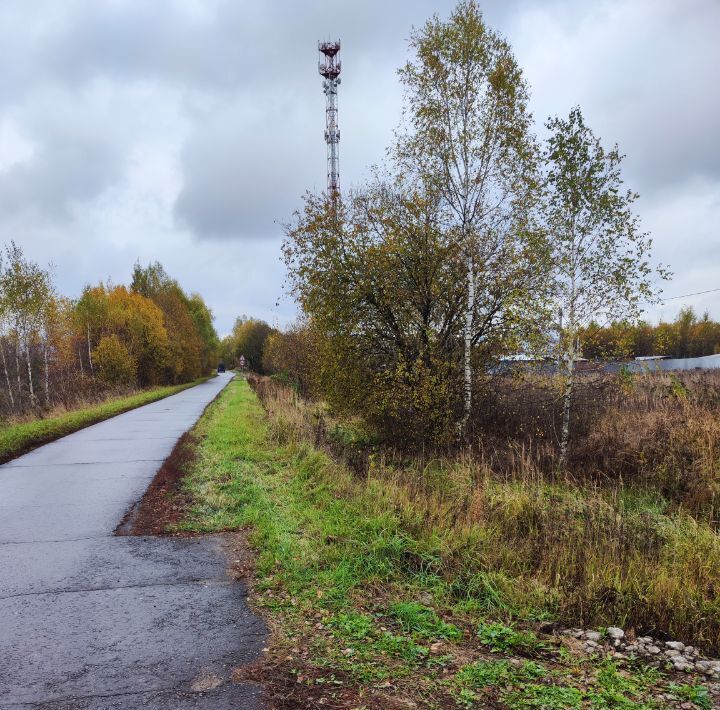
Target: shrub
<point>291,356</point>
<point>115,366</point>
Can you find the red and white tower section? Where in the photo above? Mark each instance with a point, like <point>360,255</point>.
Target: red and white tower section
<point>330,71</point>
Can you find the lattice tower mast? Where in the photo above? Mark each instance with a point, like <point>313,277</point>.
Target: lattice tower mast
<point>329,67</point>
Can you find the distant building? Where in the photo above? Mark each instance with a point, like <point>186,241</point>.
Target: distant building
<point>661,362</point>
<point>538,363</point>
<point>646,363</point>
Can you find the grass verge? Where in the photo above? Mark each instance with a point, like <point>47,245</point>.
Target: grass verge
<point>17,439</point>
<point>352,587</point>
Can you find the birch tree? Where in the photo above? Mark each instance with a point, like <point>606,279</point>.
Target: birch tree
<point>49,319</point>
<point>91,311</point>
<point>28,290</point>
<point>4,326</point>
<point>466,136</point>
<point>601,257</point>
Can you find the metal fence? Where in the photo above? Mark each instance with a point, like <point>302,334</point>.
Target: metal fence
<point>708,362</point>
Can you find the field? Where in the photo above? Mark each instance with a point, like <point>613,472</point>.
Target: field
<point>448,583</point>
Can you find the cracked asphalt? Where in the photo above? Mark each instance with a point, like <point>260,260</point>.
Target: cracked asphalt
<point>93,621</point>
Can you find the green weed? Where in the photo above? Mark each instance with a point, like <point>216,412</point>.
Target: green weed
<point>547,697</point>
<point>423,621</point>
<point>401,647</point>
<point>697,694</point>
<point>501,638</point>
<point>483,674</point>
<point>617,689</point>
<point>353,625</point>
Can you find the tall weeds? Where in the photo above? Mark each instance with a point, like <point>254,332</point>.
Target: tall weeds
<point>628,538</point>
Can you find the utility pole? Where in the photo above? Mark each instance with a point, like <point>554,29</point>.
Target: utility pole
<point>329,67</point>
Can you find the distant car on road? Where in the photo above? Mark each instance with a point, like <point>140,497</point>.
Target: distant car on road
<point>221,367</point>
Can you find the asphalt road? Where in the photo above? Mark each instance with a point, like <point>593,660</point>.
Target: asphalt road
<point>89,620</point>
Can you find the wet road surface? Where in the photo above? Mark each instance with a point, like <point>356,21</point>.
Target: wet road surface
<point>91,621</point>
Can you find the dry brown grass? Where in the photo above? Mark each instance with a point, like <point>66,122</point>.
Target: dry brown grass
<point>81,399</point>
<point>627,539</point>
<point>660,430</point>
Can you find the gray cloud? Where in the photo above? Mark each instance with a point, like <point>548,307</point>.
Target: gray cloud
<point>642,73</point>
<point>76,151</point>
<point>238,184</point>
<point>183,130</point>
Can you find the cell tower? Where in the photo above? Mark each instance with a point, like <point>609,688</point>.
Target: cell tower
<point>329,67</point>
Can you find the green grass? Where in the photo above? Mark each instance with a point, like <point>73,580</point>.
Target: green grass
<point>696,694</point>
<point>501,638</point>
<point>352,583</point>
<point>538,695</point>
<point>486,674</point>
<point>532,685</point>
<point>17,439</point>
<point>423,621</point>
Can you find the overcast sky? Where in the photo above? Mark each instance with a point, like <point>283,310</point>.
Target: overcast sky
<point>185,131</point>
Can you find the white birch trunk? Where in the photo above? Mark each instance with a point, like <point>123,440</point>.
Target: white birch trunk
<point>92,371</point>
<point>467,355</point>
<point>567,399</point>
<point>17,368</point>
<point>47,374</point>
<point>572,352</point>
<point>29,371</point>
<point>7,375</point>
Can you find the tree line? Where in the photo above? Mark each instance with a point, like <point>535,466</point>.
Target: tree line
<point>56,351</point>
<point>474,240</point>
<point>289,354</point>
<point>687,336</point>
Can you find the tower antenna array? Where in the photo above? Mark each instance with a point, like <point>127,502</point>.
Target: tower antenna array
<point>329,68</point>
